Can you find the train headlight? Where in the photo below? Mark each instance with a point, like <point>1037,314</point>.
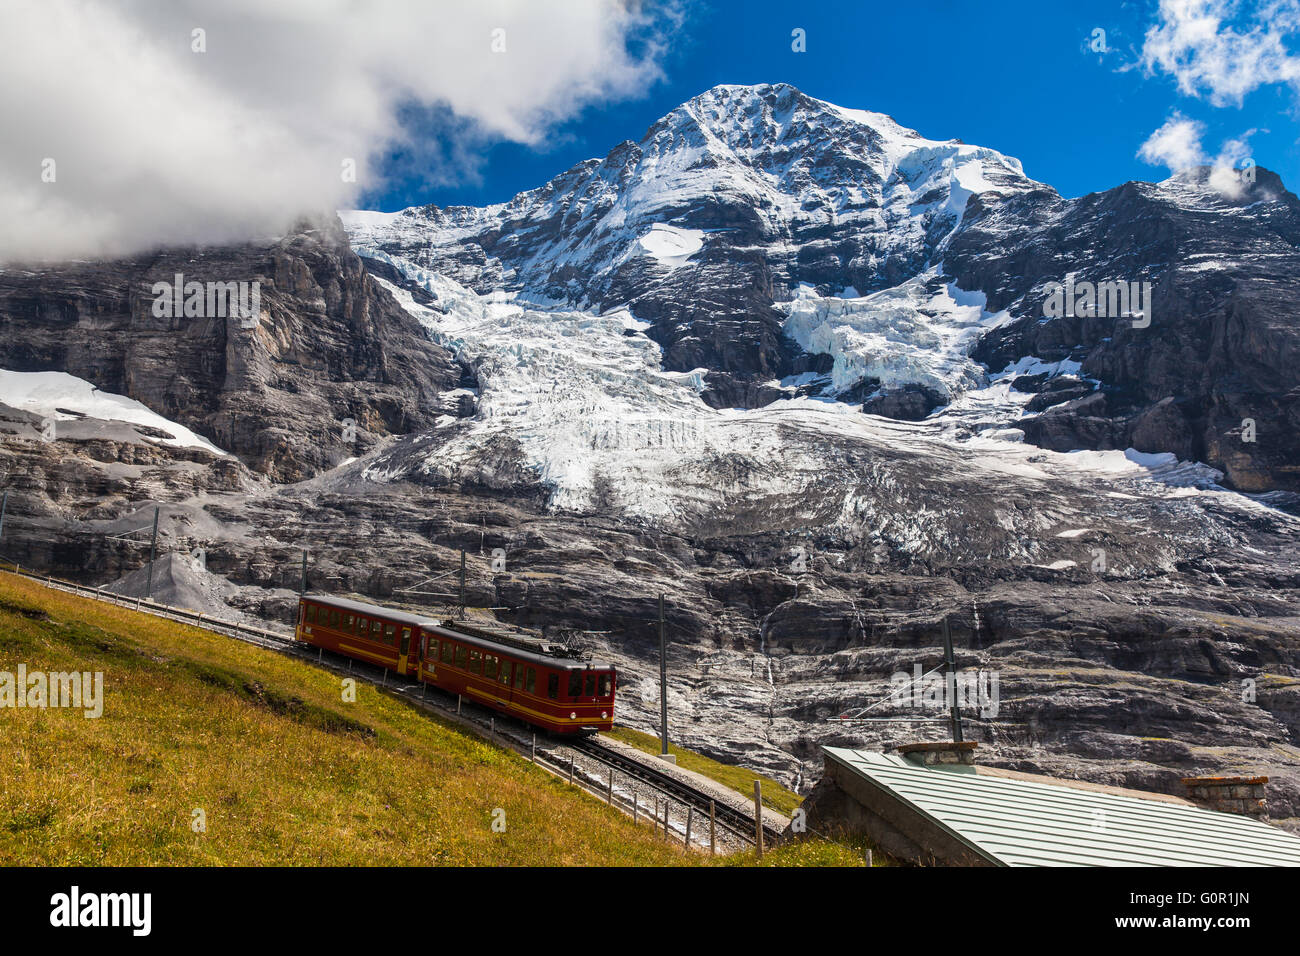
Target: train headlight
<point>573,715</point>
<point>604,715</point>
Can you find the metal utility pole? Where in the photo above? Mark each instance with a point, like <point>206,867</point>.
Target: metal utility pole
<point>462,583</point>
<point>153,551</point>
<point>954,709</point>
<point>663,684</point>
<point>303,590</point>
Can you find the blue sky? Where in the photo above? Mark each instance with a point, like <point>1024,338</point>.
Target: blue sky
<point>1015,76</point>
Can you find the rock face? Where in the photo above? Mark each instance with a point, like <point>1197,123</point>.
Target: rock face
<point>781,362</point>
<point>330,346</point>
<point>1224,333</point>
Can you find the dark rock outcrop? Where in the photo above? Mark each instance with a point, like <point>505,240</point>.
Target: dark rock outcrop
<point>1223,345</point>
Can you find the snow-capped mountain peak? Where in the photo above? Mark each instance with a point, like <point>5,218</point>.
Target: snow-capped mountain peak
<point>761,166</point>
<point>759,245</point>
<point>723,223</point>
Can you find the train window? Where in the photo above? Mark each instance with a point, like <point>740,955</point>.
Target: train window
<point>519,675</point>
<point>530,685</point>
<point>606,684</point>
<point>575,683</point>
<point>462,658</point>
<point>448,650</point>
<point>505,673</point>
<point>311,613</point>
<point>553,686</point>
<point>348,621</point>
<point>376,630</point>
<point>334,619</point>
<point>406,641</point>
<point>390,633</point>
<point>591,684</point>
<point>476,662</point>
<point>490,667</point>
<point>431,652</point>
<point>363,626</point>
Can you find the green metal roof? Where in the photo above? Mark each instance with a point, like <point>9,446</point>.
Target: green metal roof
<point>1014,822</point>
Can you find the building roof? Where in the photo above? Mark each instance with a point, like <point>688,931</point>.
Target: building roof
<point>1013,821</point>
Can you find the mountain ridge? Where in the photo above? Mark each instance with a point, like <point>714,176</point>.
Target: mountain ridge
<point>710,225</point>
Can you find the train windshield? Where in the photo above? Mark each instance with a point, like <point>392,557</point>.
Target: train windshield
<point>606,683</point>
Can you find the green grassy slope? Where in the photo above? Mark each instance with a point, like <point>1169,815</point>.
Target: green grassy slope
<point>281,768</point>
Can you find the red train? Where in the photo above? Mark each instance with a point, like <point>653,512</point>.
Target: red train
<point>506,670</point>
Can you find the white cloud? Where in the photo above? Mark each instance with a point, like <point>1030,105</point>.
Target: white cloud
<point>156,144</point>
<point>1226,174</point>
<point>1198,44</point>
<point>1176,144</point>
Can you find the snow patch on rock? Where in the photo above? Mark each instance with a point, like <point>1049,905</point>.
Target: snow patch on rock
<point>66,398</point>
<point>671,246</point>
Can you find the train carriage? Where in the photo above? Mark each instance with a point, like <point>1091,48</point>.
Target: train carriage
<point>558,694</point>
<point>507,670</point>
<point>367,632</point>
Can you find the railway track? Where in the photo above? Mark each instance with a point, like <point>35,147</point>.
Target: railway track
<point>736,822</point>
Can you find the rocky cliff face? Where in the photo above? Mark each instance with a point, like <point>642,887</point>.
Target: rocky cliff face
<point>1223,337</point>
<point>329,346</point>
<point>786,364</point>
